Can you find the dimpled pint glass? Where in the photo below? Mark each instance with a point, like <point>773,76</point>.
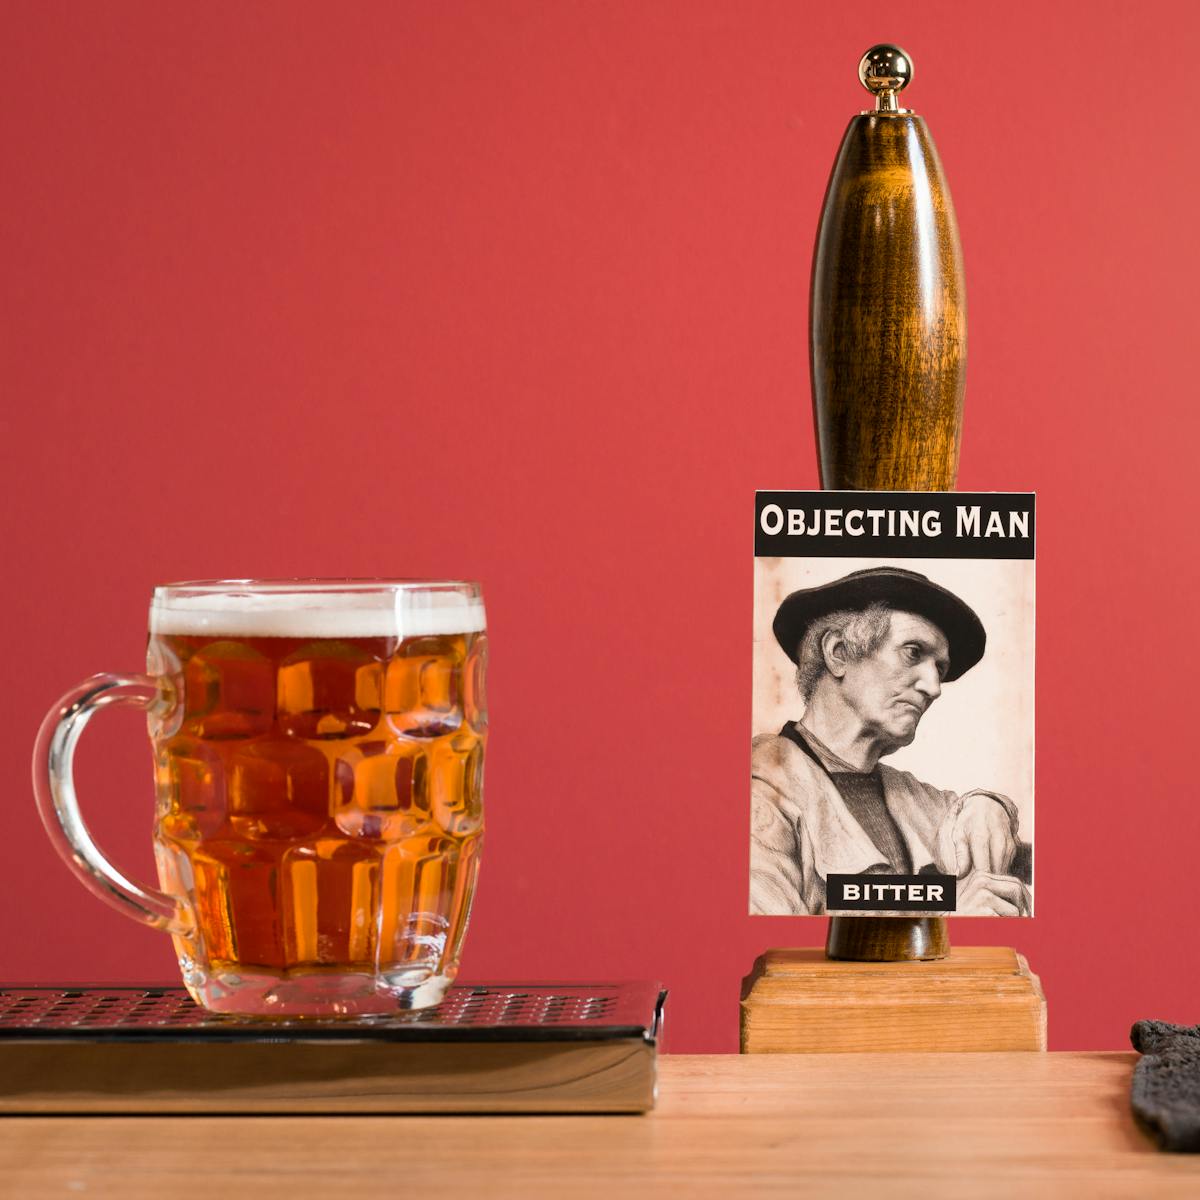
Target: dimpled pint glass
<point>318,753</point>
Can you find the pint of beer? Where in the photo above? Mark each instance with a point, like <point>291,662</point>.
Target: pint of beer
<point>319,763</point>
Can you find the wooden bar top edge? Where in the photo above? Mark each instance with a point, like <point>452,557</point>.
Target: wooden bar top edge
<point>846,1125</point>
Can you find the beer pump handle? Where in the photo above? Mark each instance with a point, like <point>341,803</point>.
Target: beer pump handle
<point>888,316</point>
<point>58,805</point>
<point>888,355</point>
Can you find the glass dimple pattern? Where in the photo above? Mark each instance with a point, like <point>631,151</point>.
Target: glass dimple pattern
<point>278,789</point>
<point>423,688</point>
<point>475,708</point>
<point>329,690</point>
<point>229,690</point>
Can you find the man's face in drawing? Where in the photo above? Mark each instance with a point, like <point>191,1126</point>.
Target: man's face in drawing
<point>891,688</point>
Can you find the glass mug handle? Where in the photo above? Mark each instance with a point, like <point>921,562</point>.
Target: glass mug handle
<point>54,787</point>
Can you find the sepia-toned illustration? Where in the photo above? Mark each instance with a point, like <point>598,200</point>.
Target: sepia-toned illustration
<point>853,662</point>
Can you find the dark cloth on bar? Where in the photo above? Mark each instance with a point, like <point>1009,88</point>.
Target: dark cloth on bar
<point>1166,1083</point>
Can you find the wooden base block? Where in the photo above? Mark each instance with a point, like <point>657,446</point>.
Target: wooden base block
<point>981,998</point>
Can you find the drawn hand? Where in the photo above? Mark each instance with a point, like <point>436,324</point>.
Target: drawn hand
<point>988,895</point>
<point>984,839</point>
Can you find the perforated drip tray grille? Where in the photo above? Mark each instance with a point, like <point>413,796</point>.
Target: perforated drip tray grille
<point>530,1012</point>
<point>569,1048</point>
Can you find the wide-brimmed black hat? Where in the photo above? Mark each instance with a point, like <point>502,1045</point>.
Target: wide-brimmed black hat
<point>905,591</point>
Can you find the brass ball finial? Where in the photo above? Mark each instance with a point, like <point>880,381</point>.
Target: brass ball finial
<point>885,71</point>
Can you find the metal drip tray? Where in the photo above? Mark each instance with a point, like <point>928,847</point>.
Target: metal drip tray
<point>490,1048</point>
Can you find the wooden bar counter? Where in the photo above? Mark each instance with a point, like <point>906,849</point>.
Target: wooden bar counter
<point>848,1125</point>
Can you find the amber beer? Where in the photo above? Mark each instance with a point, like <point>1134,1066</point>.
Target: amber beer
<point>319,770</point>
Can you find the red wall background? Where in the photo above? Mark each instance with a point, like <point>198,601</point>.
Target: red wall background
<point>518,291</point>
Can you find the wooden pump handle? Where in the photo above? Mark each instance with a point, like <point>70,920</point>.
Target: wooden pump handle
<point>888,356</point>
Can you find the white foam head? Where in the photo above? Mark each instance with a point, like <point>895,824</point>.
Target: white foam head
<point>317,610</point>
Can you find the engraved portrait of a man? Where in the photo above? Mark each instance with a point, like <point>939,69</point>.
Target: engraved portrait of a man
<point>873,651</point>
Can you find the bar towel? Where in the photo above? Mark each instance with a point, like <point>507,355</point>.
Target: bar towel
<point>1166,1083</point>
